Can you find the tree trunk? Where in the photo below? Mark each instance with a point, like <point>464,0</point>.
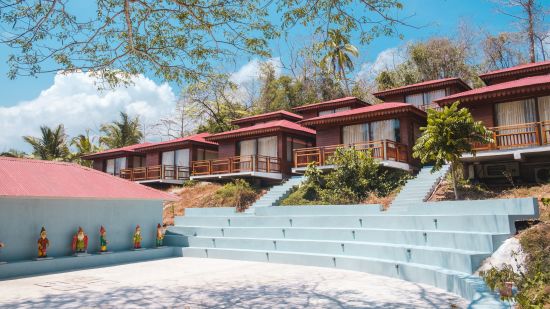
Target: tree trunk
<point>531,28</point>
<point>343,74</point>
<point>453,176</point>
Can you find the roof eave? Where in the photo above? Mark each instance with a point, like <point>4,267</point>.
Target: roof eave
<point>365,115</point>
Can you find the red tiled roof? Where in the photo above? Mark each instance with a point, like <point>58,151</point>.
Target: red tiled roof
<point>48,179</point>
<point>519,86</point>
<point>516,70</point>
<point>198,138</point>
<point>115,151</point>
<point>272,126</point>
<point>430,84</point>
<point>276,114</point>
<point>373,110</point>
<point>340,101</point>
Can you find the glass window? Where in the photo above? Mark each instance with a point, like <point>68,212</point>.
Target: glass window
<point>293,143</point>
<point>334,110</point>
<point>385,129</point>
<point>516,112</point>
<point>415,99</point>
<point>267,146</point>
<point>544,108</point>
<point>110,168</point>
<point>137,162</point>
<point>168,158</point>
<point>210,154</point>
<point>430,96</point>
<point>357,133</point>
<point>120,163</point>
<point>247,147</point>
<point>182,157</point>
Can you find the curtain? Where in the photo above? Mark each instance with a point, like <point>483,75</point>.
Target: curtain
<point>120,163</point>
<point>267,146</point>
<point>341,109</point>
<point>168,158</point>
<point>544,108</point>
<point>328,111</point>
<point>357,133</point>
<point>415,99</point>
<point>514,113</point>
<point>182,157</point>
<point>247,148</point>
<point>110,169</point>
<point>430,96</point>
<point>333,111</point>
<point>385,129</point>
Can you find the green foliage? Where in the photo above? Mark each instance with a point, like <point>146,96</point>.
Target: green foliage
<point>533,279</point>
<point>358,175</point>
<point>13,153</point>
<point>189,183</point>
<point>239,194</point>
<point>84,144</point>
<point>52,145</point>
<point>449,134</point>
<point>121,133</point>
<point>337,59</point>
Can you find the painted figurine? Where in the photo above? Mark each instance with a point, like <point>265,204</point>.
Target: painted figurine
<point>80,241</point>
<point>103,240</point>
<point>43,244</point>
<point>137,237</point>
<point>160,235</point>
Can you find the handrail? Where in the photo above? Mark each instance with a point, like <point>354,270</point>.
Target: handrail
<point>236,164</point>
<point>381,149</point>
<point>156,172</point>
<point>517,136</point>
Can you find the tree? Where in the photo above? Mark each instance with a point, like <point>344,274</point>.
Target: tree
<point>84,144</point>
<point>52,145</point>
<point>13,153</point>
<point>121,133</point>
<point>448,135</point>
<point>502,51</point>
<point>337,58</point>
<point>174,39</point>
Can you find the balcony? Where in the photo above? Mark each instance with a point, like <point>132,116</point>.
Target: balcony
<point>160,173</point>
<point>251,165</point>
<point>518,136</point>
<point>384,150</point>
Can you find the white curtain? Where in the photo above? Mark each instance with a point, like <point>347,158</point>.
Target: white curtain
<point>433,95</point>
<point>110,169</point>
<point>120,163</point>
<point>182,157</point>
<point>544,108</point>
<point>328,111</point>
<point>247,147</point>
<point>333,111</point>
<point>385,129</point>
<point>415,99</point>
<point>516,112</point>
<point>357,133</point>
<point>267,146</point>
<point>341,109</point>
<point>168,158</point>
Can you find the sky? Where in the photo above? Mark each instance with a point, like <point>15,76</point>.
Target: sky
<point>26,103</point>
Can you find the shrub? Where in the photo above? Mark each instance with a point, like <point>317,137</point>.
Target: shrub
<point>239,194</point>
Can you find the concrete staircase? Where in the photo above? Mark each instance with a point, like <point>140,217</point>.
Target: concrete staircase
<point>276,194</point>
<point>420,188</point>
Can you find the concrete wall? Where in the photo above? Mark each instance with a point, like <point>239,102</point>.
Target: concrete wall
<point>21,220</point>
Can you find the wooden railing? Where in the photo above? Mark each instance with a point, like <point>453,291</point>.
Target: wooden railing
<point>384,150</point>
<point>156,172</point>
<point>253,163</point>
<point>429,106</point>
<point>518,136</point>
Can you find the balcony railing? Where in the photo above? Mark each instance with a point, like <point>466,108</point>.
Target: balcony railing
<point>429,106</point>
<point>518,136</point>
<point>252,163</point>
<point>383,150</point>
<point>156,172</point>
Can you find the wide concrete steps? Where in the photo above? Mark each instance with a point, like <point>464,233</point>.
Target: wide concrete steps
<point>470,287</point>
<point>418,189</point>
<point>454,259</point>
<point>276,193</point>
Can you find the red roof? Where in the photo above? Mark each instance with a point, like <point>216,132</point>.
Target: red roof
<point>272,126</point>
<point>49,179</point>
<point>281,114</point>
<point>198,138</point>
<point>339,102</point>
<point>115,151</point>
<point>518,70</point>
<point>373,110</point>
<point>427,85</point>
<point>520,86</point>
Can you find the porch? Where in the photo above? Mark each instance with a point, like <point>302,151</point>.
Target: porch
<point>172,174</point>
<point>518,136</point>
<point>389,153</point>
<point>257,166</point>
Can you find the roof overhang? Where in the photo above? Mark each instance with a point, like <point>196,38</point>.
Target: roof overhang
<point>331,104</point>
<point>282,114</point>
<point>424,86</point>
<point>107,155</point>
<point>517,72</point>
<point>262,131</point>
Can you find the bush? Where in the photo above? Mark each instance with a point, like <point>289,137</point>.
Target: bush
<point>239,194</point>
<point>356,177</point>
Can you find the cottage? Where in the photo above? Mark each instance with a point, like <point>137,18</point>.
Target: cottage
<point>159,163</point>
<point>388,130</point>
<point>329,107</point>
<point>517,109</point>
<point>261,148</point>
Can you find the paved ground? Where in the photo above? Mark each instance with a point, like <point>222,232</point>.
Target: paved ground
<point>208,283</point>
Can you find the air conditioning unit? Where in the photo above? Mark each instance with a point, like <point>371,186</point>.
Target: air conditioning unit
<point>499,170</point>
<point>542,175</point>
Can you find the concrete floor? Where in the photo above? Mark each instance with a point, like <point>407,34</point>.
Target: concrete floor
<point>209,283</point>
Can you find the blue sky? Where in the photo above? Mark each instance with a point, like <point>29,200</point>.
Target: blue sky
<point>47,92</point>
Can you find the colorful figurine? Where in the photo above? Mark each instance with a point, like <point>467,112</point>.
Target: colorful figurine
<point>2,246</point>
<point>137,237</point>
<point>43,244</point>
<point>103,240</point>
<point>160,235</point>
<point>80,241</point>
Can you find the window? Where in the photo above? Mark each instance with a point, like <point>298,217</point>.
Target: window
<point>265,146</point>
<point>110,168</point>
<point>204,154</point>
<point>357,133</point>
<point>137,161</point>
<point>334,110</point>
<point>544,108</point>
<point>516,112</point>
<point>168,158</point>
<point>426,98</point>
<point>293,143</point>
<point>385,129</point>
<point>415,99</point>
<point>115,165</point>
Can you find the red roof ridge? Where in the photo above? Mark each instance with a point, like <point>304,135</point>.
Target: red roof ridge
<point>433,82</point>
<point>266,115</point>
<point>515,68</point>
<point>282,123</point>
<point>198,137</point>
<point>339,100</point>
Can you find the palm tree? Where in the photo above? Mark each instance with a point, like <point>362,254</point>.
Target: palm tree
<point>51,146</point>
<point>121,133</point>
<point>449,134</point>
<point>84,144</point>
<point>338,58</point>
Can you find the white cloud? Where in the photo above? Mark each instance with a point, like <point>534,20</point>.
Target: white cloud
<point>75,101</point>
<point>247,78</point>
<point>386,59</point>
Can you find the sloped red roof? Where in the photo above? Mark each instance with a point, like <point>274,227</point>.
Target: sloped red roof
<point>272,115</point>
<point>115,151</point>
<point>520,86</point>
<point>272,126</point>
<point>427,85</point>
<point>48,179</point>
<point>339,102</point>
<point>369,111</point>
<point>198,138</point>
<point>518,70</point>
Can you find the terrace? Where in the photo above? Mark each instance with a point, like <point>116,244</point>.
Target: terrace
<point>246,165</point>
<point>157,173</point>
